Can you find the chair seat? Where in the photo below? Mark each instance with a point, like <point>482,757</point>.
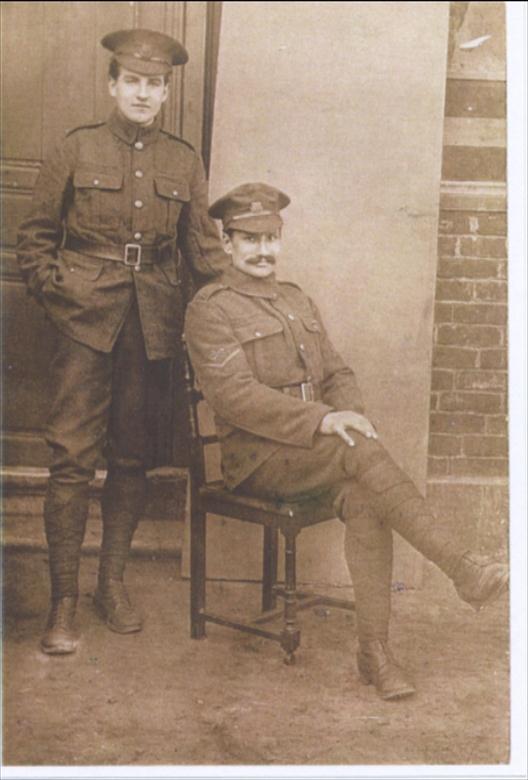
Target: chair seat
<point>276,513</point>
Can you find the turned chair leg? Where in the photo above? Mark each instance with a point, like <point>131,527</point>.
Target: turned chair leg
<point>290,636</point>
<point>269,568</point>
<point>198,539</point>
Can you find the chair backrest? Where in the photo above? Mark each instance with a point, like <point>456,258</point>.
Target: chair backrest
<point>199,442</point>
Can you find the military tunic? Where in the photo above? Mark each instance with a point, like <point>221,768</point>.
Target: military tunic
<point>116,182</point>
<point>252,343</point>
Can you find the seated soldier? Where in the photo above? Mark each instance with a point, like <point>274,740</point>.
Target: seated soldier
<point>291,422</point>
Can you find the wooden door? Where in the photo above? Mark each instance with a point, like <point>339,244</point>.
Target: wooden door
<point>54,75</point>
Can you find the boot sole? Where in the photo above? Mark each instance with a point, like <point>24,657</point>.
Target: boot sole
<point>500,590</point>
<point>400,693</point>
<point>50,650</point>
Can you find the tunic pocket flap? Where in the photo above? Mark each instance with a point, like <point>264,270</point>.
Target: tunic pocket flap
<point>172,188</point>
<point>97,180</point>
<point>257,330</point>
<point>311,324</point>
<point>88,268</point>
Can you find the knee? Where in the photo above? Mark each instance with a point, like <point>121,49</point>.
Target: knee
<point>364,455</point>
<point>74,458</point>
<point>70,476</point>
<point>355,508</point>
<point>365,528</point>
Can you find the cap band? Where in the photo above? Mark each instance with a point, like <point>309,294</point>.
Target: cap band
<point>251,214</point>
<point>138,56</point>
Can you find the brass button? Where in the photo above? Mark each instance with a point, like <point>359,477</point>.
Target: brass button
<point>138,204</point>
<point>138,236</point>
<point>258,334</point>
<point>138,174</point>
<point>175,192</point>
<point>138,145</point>
<point>301,346</point>
<point>291,317</point>
<point>96,182</point>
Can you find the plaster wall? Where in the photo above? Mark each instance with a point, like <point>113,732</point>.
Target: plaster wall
<point>341,105</point>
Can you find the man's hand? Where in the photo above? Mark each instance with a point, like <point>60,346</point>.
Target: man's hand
<point>338,422</point>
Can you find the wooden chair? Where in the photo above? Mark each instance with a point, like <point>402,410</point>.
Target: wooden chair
<point>288,517</point>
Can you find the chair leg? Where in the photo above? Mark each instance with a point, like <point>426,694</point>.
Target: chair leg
<point>269,568</point>
<point>198,572</point>
<point>290,636</point>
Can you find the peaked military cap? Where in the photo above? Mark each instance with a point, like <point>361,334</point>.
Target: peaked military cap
<point>146,52</point>
<point>252,207</point>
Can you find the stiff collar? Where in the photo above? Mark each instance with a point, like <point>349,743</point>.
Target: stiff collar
<point>250,285</point>
<point>129,132</point>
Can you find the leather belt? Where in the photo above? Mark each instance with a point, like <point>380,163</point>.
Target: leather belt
<point>306,391</point>
<point>133,255</point>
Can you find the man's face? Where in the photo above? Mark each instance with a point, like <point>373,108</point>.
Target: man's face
<point>139,98</point>
<point>254,254</point>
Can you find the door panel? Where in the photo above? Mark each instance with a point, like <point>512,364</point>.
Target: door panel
<point>22,76</point>
<point>50,86</point>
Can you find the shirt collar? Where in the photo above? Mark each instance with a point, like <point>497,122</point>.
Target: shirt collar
<point>250,285</point>
<point>129,132</point>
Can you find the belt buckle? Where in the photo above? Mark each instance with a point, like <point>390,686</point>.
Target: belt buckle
<point>307,391</point>
<point>134,261</point>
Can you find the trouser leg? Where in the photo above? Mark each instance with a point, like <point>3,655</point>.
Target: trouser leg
<point>124,492</point>
<point>388,491</point>
<point>80,385</point>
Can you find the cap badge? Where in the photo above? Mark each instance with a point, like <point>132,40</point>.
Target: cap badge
<point>256,207</point>
<point>144,52</point>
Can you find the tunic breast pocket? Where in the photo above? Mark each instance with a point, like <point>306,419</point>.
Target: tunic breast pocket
<point>265,348</point>
<point>98,201</point>
<point>172,195</point>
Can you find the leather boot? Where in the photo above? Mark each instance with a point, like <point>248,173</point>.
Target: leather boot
<point>122,504</point>
<point>480,581</point>
<point>377,666</point>
<point>60,636</point>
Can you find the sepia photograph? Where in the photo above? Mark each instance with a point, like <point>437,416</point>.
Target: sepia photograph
<point>263,340</point>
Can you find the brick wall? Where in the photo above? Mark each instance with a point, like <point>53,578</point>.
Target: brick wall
<point>468,421</point>
<point>468,444</point>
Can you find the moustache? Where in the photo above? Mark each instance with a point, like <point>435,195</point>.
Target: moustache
<point>258,259</point>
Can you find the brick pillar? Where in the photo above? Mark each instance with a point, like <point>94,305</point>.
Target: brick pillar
<point>468,445</point>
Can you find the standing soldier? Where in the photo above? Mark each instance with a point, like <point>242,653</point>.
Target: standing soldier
<point>112,207</point>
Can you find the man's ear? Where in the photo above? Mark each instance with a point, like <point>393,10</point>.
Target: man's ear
<point>112,87</point>
<point>226,241</point>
